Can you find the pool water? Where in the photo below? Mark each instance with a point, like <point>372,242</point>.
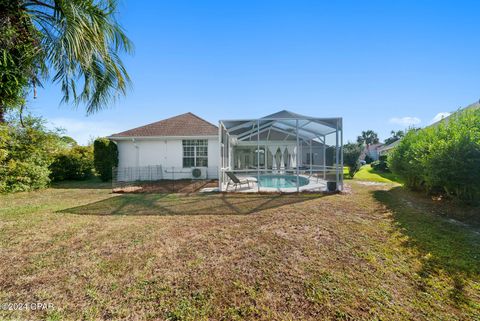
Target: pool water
<point>281,181</point>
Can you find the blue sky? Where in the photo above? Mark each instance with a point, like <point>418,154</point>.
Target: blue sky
<point>380,65</point>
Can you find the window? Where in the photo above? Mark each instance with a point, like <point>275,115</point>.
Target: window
<point>313,155</point>
<point>195,153</point>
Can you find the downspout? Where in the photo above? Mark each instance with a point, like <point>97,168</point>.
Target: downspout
<point>137,153</point>
<point>137,159</point>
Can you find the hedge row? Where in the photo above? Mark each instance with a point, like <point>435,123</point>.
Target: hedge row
<point>75,163</point>
<point>443,158</point>
<point>31,156</point>
<point>26,152</point>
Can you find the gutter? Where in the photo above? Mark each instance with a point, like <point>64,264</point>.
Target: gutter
<point>121,138</point>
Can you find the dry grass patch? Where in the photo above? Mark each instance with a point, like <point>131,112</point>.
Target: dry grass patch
<point>166,186</point>
<point>96,255</point>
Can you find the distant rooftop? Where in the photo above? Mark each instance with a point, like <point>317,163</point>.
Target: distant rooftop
<point>473,106</point>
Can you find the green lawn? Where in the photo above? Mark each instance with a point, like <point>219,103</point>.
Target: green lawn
<point>367,173</point>
<point>375,253</point>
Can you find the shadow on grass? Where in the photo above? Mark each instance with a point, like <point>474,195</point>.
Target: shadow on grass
<point>389,176</point>
<point>195,204</point>
<point>187,186</point>
<point>442,245</point>
<point>90,183</point>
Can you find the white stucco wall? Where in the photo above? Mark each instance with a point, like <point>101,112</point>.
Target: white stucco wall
<point>167,152</point>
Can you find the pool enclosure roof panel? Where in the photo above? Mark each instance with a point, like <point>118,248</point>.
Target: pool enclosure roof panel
<point>282,126</point>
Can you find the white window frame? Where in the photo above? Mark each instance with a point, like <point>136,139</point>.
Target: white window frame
<point>195,143</point>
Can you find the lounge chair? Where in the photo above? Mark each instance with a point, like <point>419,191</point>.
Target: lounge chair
<point>311,175</point>
<point>235,181</point>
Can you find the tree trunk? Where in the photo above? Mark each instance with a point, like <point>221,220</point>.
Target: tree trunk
<point>2,115</point>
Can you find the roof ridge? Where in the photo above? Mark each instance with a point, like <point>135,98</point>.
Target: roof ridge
<point>285,111</point>
<point>194,115</point>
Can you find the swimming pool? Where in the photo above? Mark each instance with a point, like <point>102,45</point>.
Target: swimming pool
<point>281,181</point>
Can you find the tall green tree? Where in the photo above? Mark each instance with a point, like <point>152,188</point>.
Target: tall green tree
<point>368,137</point>
<point>76,43</point>
<point>105,157</point>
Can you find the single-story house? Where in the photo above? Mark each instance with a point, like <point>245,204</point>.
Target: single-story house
<point>290,146</point>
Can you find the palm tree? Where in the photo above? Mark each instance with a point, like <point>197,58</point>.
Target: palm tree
<point>394,136</point>
<point>368,138</point>
<point>78,43</point>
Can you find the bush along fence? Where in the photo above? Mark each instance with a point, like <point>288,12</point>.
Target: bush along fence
<point>444,158</point>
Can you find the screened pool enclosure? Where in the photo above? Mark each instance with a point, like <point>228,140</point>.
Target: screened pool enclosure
<point>284,152</point>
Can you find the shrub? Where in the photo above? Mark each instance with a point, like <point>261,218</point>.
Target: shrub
<point>75,164</point>
<point>24,175</point>
<point>453,162</point>
<point>368,159</point>
<point>443,158</point>
<point>351,155</point>
<point>105,157</point>
<point>381,165</point>
<point>402,161</point>
<point>26,152</point>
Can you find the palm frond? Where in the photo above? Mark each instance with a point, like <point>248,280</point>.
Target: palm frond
<point>82,41</point>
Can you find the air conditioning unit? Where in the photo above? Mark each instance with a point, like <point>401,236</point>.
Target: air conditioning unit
<point>199,173</point>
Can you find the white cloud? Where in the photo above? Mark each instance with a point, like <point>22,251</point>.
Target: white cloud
<point>405,121</point>
<point>440,116</point>
<point>84,130</point>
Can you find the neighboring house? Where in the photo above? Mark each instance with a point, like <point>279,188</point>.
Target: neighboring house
<point>385,149</point>
<point>446,119</point>
<point>372,151</point>
<point>168,149</point>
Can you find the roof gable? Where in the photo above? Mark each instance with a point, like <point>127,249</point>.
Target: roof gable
<point>284,114</point>
<point>187,124</point>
